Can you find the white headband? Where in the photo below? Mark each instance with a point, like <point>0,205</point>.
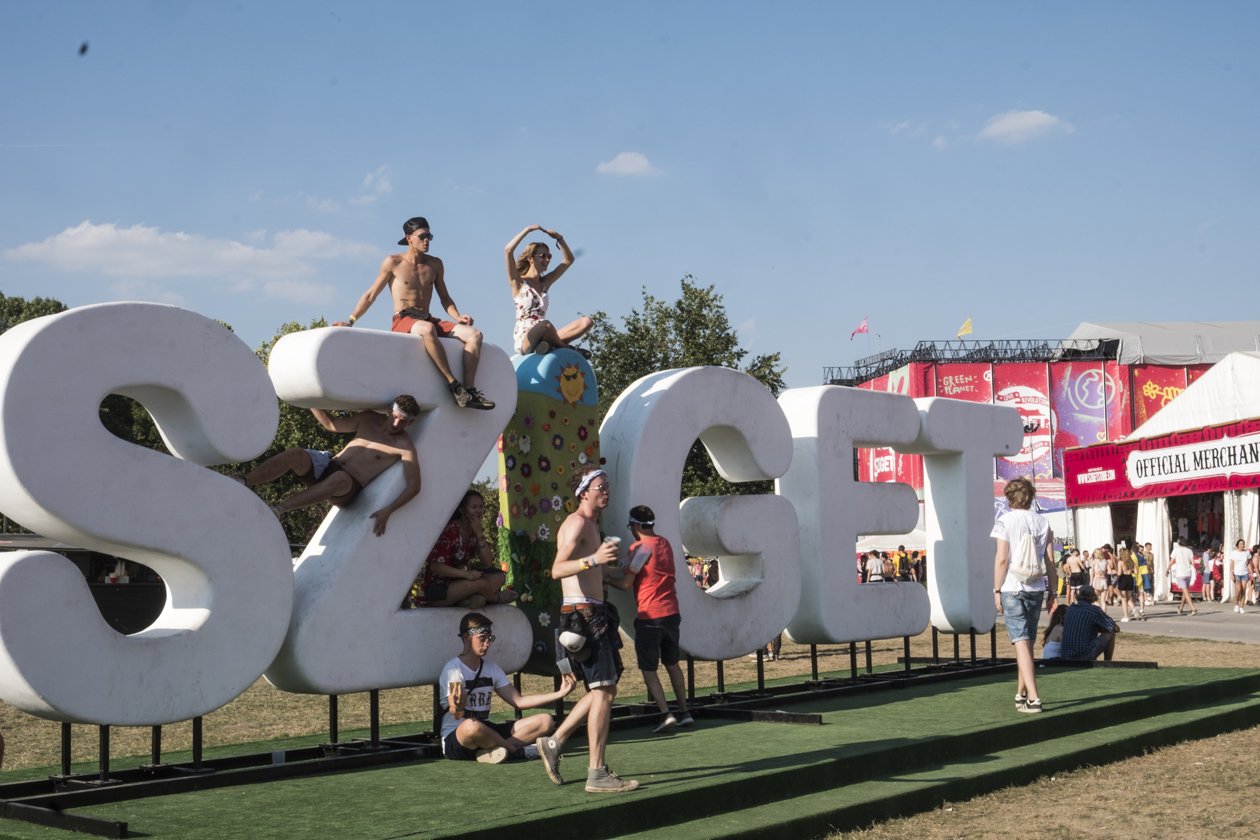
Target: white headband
<point>586,481</point>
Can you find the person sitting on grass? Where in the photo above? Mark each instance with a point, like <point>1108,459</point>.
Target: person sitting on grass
<point>470,679</point>
<point>1087,630</point>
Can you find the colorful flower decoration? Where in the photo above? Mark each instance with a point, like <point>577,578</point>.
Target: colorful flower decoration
<point>525,470</point>
<point>557,442</point>
<point>582,458</point>
<point>556,501</point>
<point>544,463</point>
<point>573,447</point>
<point>544,504</point>
<point>582,433</point>
<point>544,533</point>
<point>544,619</point>
<point>498,520</point>
<point>546,427</point>
<point>515,510</point>
<point>511,439</point>
<point>564,420</point>
<point>510,462</point>
<point>559,470</point>
<point>525,443</point>
<point>528,421</point>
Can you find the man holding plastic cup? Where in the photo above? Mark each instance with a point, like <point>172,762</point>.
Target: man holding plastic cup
<point>590,633</point>
<point>471,680</point>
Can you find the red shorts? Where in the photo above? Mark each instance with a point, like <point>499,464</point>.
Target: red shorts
<point>408,318</point>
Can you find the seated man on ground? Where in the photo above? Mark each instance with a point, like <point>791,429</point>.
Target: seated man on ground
<point>467,731</point>
<point>1087,630</point>
<point>460,569</point>
<point>379,442</point>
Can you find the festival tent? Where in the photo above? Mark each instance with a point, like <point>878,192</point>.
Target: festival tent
<point>1227,393</point>
<point>1184,343</point>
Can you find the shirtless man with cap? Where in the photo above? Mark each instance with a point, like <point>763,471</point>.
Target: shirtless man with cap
<point>379,442</point>
<point>412,278</point>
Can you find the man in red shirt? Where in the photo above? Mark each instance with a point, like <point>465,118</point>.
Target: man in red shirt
<point>651,573</point>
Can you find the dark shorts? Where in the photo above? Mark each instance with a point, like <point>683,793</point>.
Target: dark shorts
<point>1111,580</point>
<point>1124,583</point>
<point>656,641</point>
<point>355,487</point>
<point>602,667</point>
<point>436,592</point>
<point>454,750</point>
<point>1078,579</point>
<point>408,318</point>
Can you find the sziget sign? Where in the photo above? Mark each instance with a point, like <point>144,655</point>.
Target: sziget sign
<point>1207,460</point>
<point>238,606</point>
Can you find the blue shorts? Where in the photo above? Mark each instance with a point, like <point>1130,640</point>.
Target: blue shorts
<point>656,641</point>
<point>1023,611</point>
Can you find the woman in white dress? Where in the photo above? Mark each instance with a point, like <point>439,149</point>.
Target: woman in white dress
<point>530,281</point>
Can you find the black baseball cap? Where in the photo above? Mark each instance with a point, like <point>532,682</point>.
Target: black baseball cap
<point>411,226</point>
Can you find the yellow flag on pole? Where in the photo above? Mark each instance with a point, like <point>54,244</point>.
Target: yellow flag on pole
<point>965,329</point>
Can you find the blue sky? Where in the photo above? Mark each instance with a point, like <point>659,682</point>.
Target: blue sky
<point>1030,165</point>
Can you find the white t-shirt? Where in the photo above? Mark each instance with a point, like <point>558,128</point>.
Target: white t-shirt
<point>1183,562</point>
<point>1011,526</point>
<point>478,691</point>
<point>1240,557</point>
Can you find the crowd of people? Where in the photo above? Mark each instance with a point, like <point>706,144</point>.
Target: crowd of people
<point>891,566</point>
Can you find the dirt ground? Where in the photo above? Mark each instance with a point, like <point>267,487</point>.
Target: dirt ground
<point>1188,788</point>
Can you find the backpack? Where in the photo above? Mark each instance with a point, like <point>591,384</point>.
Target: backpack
<point>1026,564</point>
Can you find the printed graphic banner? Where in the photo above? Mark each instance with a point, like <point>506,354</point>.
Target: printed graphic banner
<point>1207,460</point>
<point>970,381</point>
<point>1024,386</point>
<point>1078,404</point>
<point>1153,388</point>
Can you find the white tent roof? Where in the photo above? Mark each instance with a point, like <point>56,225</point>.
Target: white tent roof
<point>1185,343</point>
<point>1230,391</point>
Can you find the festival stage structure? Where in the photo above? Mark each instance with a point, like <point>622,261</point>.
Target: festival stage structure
<point>1098,385</point>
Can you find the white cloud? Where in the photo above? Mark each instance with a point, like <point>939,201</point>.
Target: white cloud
<point>299,291</point>
<point>1022,126</point>
<point>141,257</point>
<point>628,164</point>
<point>939,141</point>
<point>375,184</point>
<point>323,205</point>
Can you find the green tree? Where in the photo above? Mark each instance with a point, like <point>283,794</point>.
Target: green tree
<point>15,310</point>
<point>688,332</point>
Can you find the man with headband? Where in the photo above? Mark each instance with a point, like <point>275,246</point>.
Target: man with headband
<point>379,442</point>
<point>470,681</point>
<point>581,558</point>
<point>651,575</point>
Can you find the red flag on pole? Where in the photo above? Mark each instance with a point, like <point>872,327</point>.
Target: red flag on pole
<point>861,328</point>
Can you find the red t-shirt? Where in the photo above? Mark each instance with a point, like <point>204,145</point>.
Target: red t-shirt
<point>654,584</point>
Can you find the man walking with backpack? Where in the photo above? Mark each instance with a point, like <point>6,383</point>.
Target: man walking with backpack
<point>1023,572</point>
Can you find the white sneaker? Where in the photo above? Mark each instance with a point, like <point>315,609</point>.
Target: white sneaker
<point>666,725</point>
<point>1126,618</point>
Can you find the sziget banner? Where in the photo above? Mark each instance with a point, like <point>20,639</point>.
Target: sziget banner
<point>1207,460</point>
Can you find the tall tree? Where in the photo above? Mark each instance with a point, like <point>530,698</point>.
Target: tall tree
<point>688,332</point>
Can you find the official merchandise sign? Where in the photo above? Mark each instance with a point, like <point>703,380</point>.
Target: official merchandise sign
<point>238,607</point>
<point>1208,460</point>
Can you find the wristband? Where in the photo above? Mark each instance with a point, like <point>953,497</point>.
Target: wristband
<point>351,320</point>
<point>586,563</point>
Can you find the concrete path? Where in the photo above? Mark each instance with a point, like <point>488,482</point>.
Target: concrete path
<point>1216,622</point>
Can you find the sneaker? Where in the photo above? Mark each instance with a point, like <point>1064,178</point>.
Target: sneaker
<point>461,395</point>
<point>477,400</point>
<point>686,719</point>
<point>498,755</point>
<point>667,725</point>
<point>1032,707</point>
<point>549,752</point>
<point>1126,618</point>
<point>604,780</point>
<point>1021,700</point>
<point>542,348</point>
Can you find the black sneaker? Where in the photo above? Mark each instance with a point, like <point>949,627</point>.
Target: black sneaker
<point>461,395</point>
<point>477,400</point>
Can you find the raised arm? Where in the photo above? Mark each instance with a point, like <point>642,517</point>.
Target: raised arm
<point>509,253</point>
<point>566,259</point>
<point>411,471</point>
<point>369,297</point>
<point>344,424</point>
